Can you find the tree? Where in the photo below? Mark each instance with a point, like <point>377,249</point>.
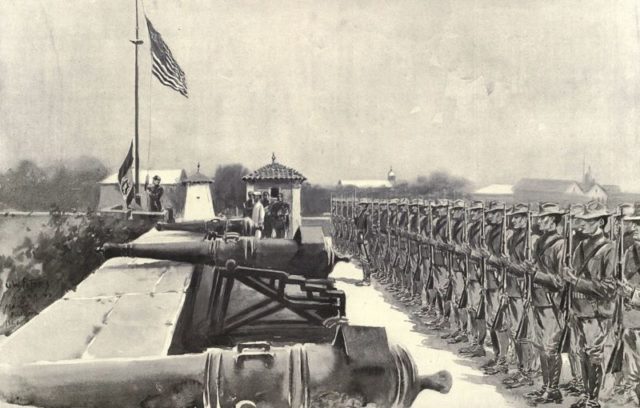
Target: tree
<point>229,190</point>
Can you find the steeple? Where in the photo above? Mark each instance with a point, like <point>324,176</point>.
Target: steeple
<point>391,176</point>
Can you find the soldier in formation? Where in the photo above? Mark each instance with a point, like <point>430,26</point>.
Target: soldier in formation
<point>534,281</point>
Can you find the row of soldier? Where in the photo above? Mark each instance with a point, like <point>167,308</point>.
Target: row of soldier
<point>541,281</point>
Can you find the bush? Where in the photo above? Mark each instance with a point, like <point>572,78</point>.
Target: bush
<point>38,273</point>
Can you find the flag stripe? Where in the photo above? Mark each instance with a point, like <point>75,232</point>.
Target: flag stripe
<point>164,66</point>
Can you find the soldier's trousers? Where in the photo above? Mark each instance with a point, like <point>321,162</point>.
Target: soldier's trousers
<point>440,285</point>
<point>631,338</point>
<point>365,258</point>
<point>477,327</point>
<point>547,337</point>
<point>414,274</point>
<point>523,348</point>
<point>499,337</point>
<point>459,315</point>
<point>592,334</point>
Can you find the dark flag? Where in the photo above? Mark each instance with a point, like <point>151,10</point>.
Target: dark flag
<point>165,67</point>
<point>126,186</point>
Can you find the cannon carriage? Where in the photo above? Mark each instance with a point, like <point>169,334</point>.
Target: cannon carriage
<point>226,322</point>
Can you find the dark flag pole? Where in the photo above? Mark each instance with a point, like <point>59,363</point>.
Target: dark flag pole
<point>136,142</point>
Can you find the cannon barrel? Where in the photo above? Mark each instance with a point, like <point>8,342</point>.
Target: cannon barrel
<point>312,258</point>
<point>216,226</point>
<point>359,367</point>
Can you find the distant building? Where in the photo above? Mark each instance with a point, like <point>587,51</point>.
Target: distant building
<point>277,178</point>
<point>530,190</point>
<point>390,182</point>
<point>171,181</point>
<point>499,192</point>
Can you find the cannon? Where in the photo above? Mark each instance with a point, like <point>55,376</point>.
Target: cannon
<point>308,254</point>
<point>358,368</point>
<point>215,227</point>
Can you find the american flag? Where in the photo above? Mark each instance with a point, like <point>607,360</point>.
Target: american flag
<point>165,67</point>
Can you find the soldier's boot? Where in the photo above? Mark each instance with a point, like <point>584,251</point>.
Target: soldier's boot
<point>594,384</point>
<point>553,394</point>
<point>544,367</point>
<point>501,367</point>
<point>636,390</point>
<point>478,351</point>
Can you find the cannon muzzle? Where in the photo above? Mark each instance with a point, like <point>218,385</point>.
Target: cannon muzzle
<point>440,382</point>
<point>307,255</point>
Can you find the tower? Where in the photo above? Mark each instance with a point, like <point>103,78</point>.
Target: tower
<point>198,204</point>
<point>391,176</point>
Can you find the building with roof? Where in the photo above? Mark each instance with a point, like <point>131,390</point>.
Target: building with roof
<point>500,192</point>
<point>276,178</point>
<point>390,182</point>
<point>198,203</point>
<point>171,180</point>
<point>530,190</point>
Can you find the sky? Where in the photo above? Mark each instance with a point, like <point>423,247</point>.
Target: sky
<point>492,90</point>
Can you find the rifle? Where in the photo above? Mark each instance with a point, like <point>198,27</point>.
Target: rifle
<point>499,319</point>
<point>449,294</point>
<point>565,304</point>
<point>464,299</point>
<point>617,356</point>
<point>480,312</point>
<point>523,324</point>
<point>429,283</point>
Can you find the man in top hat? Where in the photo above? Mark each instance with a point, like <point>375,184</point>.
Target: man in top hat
<point>545,270</point>
<point>475,308</point>
<point>459,270</point>
<point>630,289</point>
<point>593,289</point>
<point>440,264</point>
<point>519,246</point>
<point>363,237</point>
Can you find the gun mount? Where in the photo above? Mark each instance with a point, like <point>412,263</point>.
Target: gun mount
<point>359,366</point>
<point>308,254</point>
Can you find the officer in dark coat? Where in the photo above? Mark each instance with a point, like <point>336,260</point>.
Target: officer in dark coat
<point>155,192</point>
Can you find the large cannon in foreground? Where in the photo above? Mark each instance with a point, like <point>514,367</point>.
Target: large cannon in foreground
<point>359,368</point>
<point>308,254</point>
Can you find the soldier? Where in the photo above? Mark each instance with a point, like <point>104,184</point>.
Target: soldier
<point>280,211</point>
<point>592,291</point>
<point>375,235</point>
<point>475,308</point>
<point>403,246</point>
<point>440,264</point>
<point>363,236</point>
<point>458,261</point>
<point>392,225</point>
<point>426,281</point>
<point>630,289</point>
<point>548,255</point>
<point>493,279</point>
<point>415,264</point>
<point>155,192</point>
<point>383,239</point>
<point>519,246</point>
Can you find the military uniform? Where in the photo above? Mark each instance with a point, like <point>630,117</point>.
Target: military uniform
<point>592,293</point>
<point>414,253</point>
<point>363,229</point>
<point>492,291</point>
<point>548,255</point>
<point>440,265</point>
<point>458,271</point>
<point>475,305</point>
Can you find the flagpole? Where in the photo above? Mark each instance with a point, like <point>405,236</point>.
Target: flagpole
<point>136,142</point>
